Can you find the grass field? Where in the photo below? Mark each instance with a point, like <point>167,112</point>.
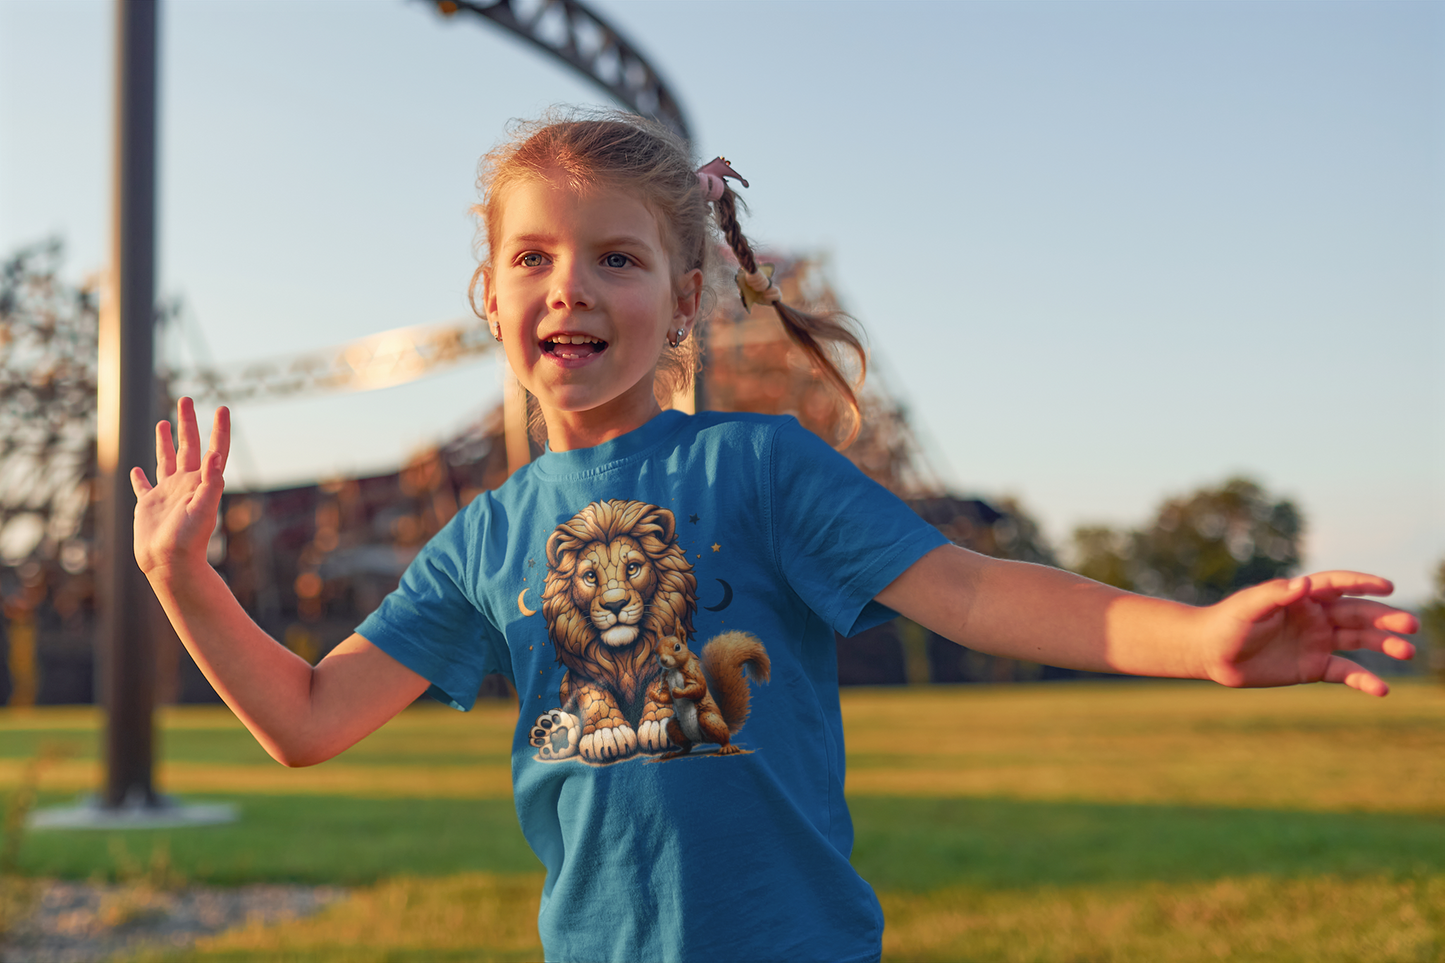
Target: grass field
<point>1091,821</point>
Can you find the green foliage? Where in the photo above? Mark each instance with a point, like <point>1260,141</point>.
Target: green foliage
<point>1198,548</point>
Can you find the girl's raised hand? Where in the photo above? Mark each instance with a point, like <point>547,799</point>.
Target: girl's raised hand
<point>174,518</point>
<point>1287,631</point>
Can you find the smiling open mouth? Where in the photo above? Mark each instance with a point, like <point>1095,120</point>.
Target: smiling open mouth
<point>573,346</point>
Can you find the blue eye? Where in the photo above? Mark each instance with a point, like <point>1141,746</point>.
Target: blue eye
<point>530,260</point>
<point>617,260</point>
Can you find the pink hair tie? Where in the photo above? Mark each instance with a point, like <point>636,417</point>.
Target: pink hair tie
<point>712,187</point>
<point>710,178</point>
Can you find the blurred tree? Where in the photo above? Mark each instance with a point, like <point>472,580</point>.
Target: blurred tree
<point>1016,535</point>
<point>1198,548</point>
<point>1104,554</point>
<point>47,464</point>
<point>1432,624</point>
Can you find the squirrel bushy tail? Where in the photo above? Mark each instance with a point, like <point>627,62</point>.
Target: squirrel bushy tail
<point>723,659</point>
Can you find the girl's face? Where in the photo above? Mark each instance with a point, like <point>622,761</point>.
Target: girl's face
<point>583,294</point>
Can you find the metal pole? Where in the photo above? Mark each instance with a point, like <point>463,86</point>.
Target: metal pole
<point>124,408</point>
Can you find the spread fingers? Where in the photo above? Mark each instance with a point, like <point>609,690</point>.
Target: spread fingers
<point>1355,676</point>
<point>165,452</point>
<point>188,457</point>
<point>1326,586</point>
<point>220,437</point>
<point>1376,640</point>
<point>1355,613</point>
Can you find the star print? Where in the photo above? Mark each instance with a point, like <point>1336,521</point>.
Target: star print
<point>692,518</point>
<point>716,547</point>
<point>530,563</point>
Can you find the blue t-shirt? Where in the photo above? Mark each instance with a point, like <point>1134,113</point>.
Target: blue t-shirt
<point>569,578</point>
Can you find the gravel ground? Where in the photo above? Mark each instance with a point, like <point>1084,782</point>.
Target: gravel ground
<point>73,922</point>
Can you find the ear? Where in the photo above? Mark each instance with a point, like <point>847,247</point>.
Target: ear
<point>689,299</point>
<point>489,298</point>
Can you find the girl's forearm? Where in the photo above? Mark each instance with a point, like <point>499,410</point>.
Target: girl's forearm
<point>264,683</point>
<point>1042,614</point>
<point>300,714</point>
<point>1056,617</point>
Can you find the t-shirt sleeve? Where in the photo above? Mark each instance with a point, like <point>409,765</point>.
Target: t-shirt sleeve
<point>839,537</point>
<point>434,624</point>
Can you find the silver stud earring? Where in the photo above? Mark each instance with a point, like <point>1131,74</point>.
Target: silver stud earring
<point>497,333</point>
<point>675,339</point>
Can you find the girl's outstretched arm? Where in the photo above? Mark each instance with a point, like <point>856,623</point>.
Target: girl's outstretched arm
<point>300,714</point>
<point>1277,633</point>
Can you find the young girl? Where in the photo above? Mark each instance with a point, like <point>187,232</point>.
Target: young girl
<point>678,764</point>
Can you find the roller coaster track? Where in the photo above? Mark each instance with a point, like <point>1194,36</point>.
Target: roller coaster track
<point>570,32</point>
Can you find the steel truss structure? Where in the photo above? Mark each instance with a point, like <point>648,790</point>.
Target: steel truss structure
<point>376,361</point>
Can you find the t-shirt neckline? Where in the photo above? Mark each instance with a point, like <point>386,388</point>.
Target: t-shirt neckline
<point>623,447</point>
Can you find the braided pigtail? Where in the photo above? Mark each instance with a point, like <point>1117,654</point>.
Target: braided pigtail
<point>817,333</point>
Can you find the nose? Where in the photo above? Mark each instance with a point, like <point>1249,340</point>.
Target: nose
<point>571,286</point>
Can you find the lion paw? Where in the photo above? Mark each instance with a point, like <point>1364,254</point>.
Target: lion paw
<point>555,734</point>
<point>652,736</point>
<point>605,745</point>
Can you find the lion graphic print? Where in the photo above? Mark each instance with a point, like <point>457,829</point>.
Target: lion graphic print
<point>618,603</point>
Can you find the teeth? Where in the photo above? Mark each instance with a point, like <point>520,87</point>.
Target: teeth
<point>575,339</point>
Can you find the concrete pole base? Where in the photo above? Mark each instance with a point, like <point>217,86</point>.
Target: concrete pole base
<point>164,813</point>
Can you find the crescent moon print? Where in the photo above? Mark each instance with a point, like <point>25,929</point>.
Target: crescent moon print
<point>727,598</point>
<point>522,606</point>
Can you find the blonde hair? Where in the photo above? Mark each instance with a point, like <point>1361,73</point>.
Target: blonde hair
<point>612,149</point>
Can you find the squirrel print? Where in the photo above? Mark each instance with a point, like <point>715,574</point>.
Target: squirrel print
<point>709,696</point>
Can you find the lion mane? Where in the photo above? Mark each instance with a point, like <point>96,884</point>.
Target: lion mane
<point>616,581</point>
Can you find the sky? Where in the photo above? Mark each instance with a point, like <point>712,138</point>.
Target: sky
<point>1107,253</point>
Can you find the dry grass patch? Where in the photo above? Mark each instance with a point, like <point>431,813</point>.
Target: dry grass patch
<point>1238,919</point>
<point>471,916</point>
